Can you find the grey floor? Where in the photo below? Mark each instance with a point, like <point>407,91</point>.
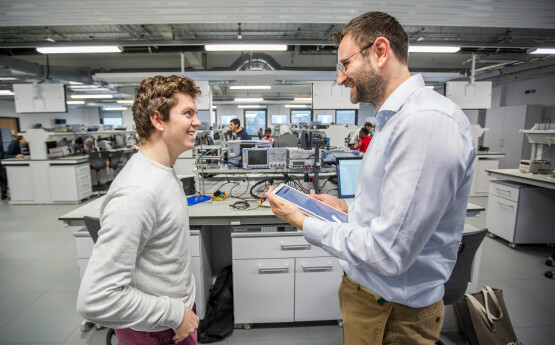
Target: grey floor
<point>39,283</point>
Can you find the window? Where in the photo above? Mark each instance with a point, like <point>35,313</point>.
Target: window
<point>345,117</point>
<point>254,120</point>
<point>113,118</point>
<point>227,118</point>
<point>301,116</point>
<point>279,119</point>
<point>325,119</point>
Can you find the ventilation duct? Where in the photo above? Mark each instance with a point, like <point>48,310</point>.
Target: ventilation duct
<point>255,62</point>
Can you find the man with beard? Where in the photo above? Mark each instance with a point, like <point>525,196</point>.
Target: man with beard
<point>406,220</point>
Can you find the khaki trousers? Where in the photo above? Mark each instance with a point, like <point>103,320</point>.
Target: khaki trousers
<point>368,319</point>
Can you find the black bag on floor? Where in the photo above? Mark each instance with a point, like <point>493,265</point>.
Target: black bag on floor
<point>485,319</point>
<point>218,320</point>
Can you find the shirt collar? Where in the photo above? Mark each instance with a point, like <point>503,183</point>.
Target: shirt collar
<point>395,101</point>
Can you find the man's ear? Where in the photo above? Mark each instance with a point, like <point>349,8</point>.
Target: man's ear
<point>156,121</point>
<point>382,50</point>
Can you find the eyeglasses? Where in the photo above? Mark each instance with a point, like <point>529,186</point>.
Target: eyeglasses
<point>341,64</point>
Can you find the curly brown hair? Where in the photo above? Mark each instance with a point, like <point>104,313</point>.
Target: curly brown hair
<point>371,25</point>
<point>157,93</point>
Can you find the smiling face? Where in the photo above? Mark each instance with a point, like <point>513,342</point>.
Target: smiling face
<point>180,129</point>
<point>364,81</point>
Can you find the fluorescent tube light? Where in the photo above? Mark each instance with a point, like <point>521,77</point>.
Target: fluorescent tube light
<point>75,83</point>
<point>91,96</point>
<point>75,102</point>
<point>249,99</point>
<point>433,49</point>
<point>7,78</point>
<point>302,99</point>
<point>429,87</point>
<point>214,107</point>
<point>115,108</point>
<point>248,106</point>
<point>84,86</point>
<point>125,101</point>
<point>6,93</point>
<point>243,47</point>
<point>297,105</point>
<point>547,51</point>
<point>250,87</point>
<point>80,49</point>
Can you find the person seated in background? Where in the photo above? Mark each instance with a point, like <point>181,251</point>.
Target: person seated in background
<point>260,133</point>
<point>17,147</point>
<point>268,135</point>
<point>286,139</point>
<point>355,137</point>
<point>364,140</point>
<point>239,133</point>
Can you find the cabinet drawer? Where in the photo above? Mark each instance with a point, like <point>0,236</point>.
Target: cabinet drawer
<point>83,178</point>
<point>501,217</point>
<point>504,191</point>
<point>273,247</point>
<point>82,169</point>
<point>263,290</point>
<point>195,245</point>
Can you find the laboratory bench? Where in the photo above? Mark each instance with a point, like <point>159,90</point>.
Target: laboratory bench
<point>48,181</point>
<point>301,279</point>
<point>520,207</point>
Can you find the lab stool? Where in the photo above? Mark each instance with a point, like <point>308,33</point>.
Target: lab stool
<point>550,262</point>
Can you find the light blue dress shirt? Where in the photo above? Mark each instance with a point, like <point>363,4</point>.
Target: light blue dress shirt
<point>407,216</point>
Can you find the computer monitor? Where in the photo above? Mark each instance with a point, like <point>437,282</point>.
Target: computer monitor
<point>347,176</point>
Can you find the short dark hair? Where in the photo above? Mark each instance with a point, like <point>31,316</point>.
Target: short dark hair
<point>365,130</point>
<point>158,93</point>
<point>237,122</point>
<point>367,124</point>
<point>268,130</point>
<point>367,27</point>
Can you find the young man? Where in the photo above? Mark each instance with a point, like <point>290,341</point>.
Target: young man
<point>238,132</point>
<point>364,140</point>
<point>406,220</point>
<point>268,135</point>
<point>139,279</point>
<point>14,149</point>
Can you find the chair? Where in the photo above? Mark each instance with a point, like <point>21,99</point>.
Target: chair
<point>98,161</point>
<point>93,226</point>
<point>115,160</point>
<point>457,284</point>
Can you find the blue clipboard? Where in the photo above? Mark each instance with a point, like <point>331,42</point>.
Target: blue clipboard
<point>197,199</point>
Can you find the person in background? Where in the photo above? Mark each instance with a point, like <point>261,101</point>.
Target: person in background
<point>238,132</point>
<point>406,220</point>
<point>268,135</point>
<point>286,138</point>
<point>260,133</point>
<point>139,279</point>
<point>16,148</point>
<point>356,137</point>
<point>364,140</point>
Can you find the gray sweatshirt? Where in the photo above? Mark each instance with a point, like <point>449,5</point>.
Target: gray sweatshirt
<point>139,275</point>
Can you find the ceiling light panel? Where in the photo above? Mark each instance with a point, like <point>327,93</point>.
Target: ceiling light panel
<point>80,49</point>
<point>100,96</point>
<point>245,47</point>
<point>250,87</point>
<point>433,49</point>
<point>249,99</point>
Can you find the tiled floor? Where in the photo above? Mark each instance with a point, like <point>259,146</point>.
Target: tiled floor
<point>39,283</point>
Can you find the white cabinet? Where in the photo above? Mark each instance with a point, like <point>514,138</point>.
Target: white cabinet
<point>202,271</point>
<point>20,182</point>
<point>504,124</point>
<point>69,182</point>
<point>521,213</point>
<point>279,277</point>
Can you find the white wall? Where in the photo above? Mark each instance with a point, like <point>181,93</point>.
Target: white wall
<point>86,116</point>
<point>513,92</point>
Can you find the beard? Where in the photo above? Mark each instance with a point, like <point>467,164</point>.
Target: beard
<point>370,87</point>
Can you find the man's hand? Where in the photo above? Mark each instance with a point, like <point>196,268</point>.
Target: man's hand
<point>334,202</point>
<point>285,210</point>
<point>188,326</point>
<point>19,155</point>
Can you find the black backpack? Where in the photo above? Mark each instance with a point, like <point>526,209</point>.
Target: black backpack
<point>218,320</point>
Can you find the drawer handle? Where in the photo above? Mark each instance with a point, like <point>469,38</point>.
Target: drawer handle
<point>503,190</point>
<point>500,203</point>
<point>294,246</point>
<point>274,270</point>
<point>317,268</point>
